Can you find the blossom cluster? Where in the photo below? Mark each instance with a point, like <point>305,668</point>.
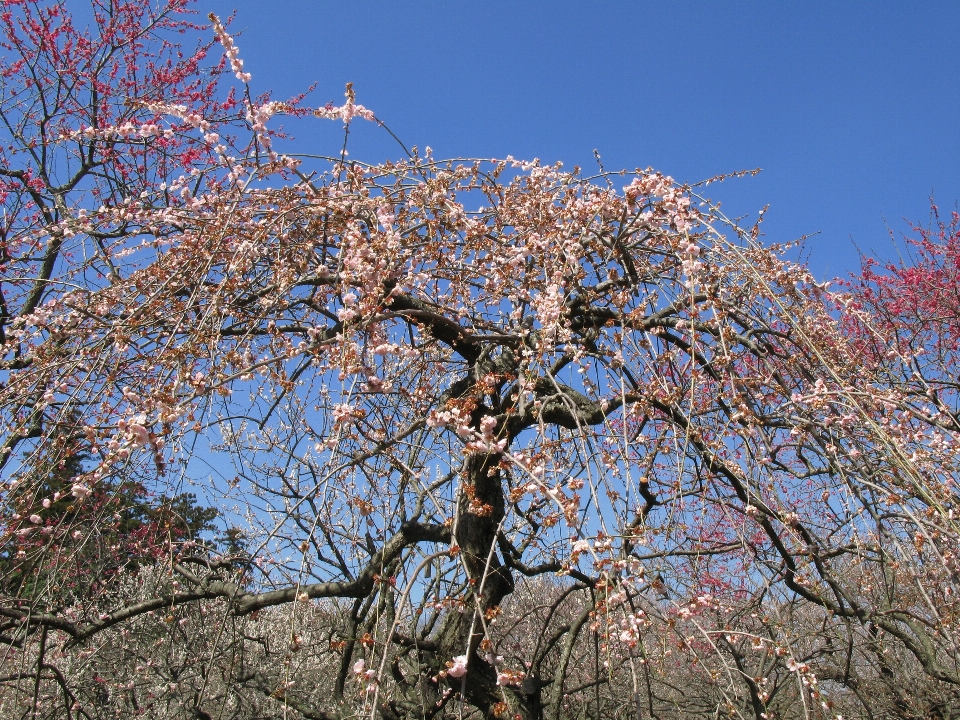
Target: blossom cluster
<point>230,49</point>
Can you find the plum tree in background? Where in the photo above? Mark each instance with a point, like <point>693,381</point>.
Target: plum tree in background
<point>494,439</point>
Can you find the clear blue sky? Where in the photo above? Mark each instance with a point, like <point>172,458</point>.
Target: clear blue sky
<point>852,109</point>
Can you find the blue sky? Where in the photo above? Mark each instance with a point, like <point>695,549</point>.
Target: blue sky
<point>851,109</point>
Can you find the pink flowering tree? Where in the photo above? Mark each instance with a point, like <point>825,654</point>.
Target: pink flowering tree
<point>493,438</point>
<point>907,314</point>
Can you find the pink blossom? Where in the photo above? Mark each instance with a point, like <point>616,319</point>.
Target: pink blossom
<point>230,50</point>
<point>139,434</point>
<point>459,668</point>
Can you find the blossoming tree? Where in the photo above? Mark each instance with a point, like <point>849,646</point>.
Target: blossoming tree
<point>495,438</point>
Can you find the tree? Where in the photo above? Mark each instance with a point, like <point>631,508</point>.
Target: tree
<point>493,438</point>
<point>904,320</point>
<point>129,526</point>
<point>906,316</point>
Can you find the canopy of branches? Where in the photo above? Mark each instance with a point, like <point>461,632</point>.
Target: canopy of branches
<point>428,439</point>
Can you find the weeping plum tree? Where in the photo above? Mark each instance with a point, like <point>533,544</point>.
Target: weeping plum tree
<point>491,439</point>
